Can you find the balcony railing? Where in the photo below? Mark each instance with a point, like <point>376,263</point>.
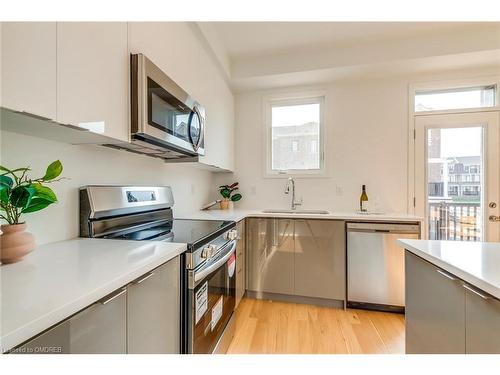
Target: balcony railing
<point>455,221</point>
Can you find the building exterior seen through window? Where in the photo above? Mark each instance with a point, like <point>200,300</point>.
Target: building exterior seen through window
<point>455,183</point>
<point>295,136</point>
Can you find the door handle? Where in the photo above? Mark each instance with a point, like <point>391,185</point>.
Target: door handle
<point>143,278</point>
<point>446,275</point>
<point>112,296</point>
<point>483,296</point>
<point>494,218</point>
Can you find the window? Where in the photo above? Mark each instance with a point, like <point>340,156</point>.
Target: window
<point>314,146</point>
<point>295,133</point>
<point>465,97</point>
<point>436,189</point>
<point>452,190</point>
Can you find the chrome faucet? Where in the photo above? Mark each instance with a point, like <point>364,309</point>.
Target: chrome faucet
<point>290,185</point>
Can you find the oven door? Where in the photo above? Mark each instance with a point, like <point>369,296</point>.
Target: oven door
<point>211,301</point>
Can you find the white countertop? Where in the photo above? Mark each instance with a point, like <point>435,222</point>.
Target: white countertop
<point>477,263</point>
<point>240,214</point>
<point>59,279</point>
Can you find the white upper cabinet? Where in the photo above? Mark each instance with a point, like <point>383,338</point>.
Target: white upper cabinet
<point>219,102</point>
<point>28,75</point>
<point>93,77</point>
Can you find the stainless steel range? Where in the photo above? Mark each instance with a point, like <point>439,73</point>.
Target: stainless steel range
<point>208,277</point>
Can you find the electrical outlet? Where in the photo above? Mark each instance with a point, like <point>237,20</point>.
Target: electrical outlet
<point>339,191</point>
<point>253,190</point>
<point>193,189</point>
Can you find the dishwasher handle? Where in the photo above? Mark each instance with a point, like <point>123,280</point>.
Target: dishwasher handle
<point>384,228</point>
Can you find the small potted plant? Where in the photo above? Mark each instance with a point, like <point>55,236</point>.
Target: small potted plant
<point>228,195</point>
<point>21,195</point>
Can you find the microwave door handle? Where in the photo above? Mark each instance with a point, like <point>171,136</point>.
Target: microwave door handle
<point>202,132</point>
<point>197,145</point>
<point>207,271</point>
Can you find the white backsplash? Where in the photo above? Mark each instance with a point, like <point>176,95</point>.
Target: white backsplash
<point>86,165</point>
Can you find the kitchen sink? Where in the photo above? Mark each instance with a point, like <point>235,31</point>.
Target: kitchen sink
<point>310,212</point>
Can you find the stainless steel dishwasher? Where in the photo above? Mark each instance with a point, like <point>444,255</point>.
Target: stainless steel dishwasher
<point>375,265</point>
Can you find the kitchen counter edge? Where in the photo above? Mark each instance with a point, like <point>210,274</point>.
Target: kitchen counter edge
<point>240,214</point>
<point>488,253</point>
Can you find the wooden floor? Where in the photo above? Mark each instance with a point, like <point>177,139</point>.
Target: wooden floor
<point>269,327</point>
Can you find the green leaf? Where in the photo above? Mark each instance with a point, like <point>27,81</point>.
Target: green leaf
<point>225,192</point>
<point>53,170</point>
<point>36,204</point>
<point>236,197</point>
<point>21,196</point>
<point>44,192</point>
<point>6,181</point>
<point>4,194</point>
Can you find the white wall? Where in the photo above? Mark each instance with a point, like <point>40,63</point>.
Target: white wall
<point>366,143</point>
<point>86,165</point>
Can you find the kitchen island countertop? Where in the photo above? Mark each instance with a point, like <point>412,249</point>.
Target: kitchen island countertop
<point>477,263</point>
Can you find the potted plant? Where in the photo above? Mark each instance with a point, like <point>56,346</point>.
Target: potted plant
<point>228,195</point>
<point>21,195</point>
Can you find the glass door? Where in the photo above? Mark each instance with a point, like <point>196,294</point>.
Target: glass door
<point>457,175</point>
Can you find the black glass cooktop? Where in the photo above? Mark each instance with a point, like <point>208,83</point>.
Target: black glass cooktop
<point>195,233</point>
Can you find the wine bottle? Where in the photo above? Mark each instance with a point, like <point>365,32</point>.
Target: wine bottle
<point>363,200</point>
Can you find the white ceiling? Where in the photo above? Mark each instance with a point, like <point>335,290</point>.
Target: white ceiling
<point>244,39</point>
<point>256,55</point>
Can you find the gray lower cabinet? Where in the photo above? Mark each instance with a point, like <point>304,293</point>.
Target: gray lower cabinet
<point>435,314</point>
<point>240,262</point>
<point>142,317</point>
<point>320,258</point>
<point>482,329</point>
<point>54,341</point>
<point>444,314</point>
<point>153,311</point>
<point>270,255</point>
<point>100,328</point>
<point>296,257</point>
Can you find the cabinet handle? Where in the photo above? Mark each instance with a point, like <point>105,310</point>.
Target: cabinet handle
<point>143,278</point>
<point>475,292</point>
<point>446,275</point>
<point>113,296</point>
<point>34,116</point>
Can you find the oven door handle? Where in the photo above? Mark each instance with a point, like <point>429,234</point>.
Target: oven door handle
<point>207,271</point>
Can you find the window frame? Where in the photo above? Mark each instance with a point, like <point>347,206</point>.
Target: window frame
<point>314,97</point>
<point>453,84</point>
<point>459,88</point>
<point>415,86</point>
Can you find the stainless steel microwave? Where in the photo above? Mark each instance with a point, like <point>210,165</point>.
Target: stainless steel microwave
<point>165,120</point>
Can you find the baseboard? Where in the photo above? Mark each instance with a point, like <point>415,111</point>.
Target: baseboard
<point>375,307</point>
<point>295,299</point>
